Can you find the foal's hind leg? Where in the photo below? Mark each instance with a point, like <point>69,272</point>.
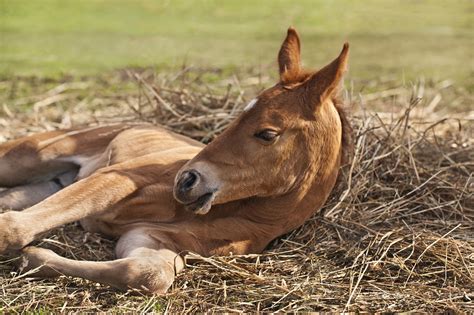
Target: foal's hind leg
<point>143,263</point>
<point>24,196</point>
<point>41,157</point>
<point>34,167</point>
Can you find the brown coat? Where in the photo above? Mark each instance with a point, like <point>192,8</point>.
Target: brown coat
<point>164,194</point>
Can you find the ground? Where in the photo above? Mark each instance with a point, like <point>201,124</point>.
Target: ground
<point>396,235</point>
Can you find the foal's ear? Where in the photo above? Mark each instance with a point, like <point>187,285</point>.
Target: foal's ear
<point>326,82</point>
<point>289,56</point>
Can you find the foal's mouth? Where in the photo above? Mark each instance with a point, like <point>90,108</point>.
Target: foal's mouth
<point>201,205</point>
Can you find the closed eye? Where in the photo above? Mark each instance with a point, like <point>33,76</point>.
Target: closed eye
<point>267,135</point>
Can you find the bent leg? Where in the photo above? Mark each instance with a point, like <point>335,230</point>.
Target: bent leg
<point>147,264</point>
<point>41,157</point>
<point>92,195</point>
<point>21,197</point>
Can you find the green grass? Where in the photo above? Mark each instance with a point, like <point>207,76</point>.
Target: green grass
<point>404,38</point>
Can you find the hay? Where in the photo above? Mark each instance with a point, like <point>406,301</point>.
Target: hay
<point>396,235</point>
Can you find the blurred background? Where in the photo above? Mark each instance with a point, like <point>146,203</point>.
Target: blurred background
<point>405,39</point>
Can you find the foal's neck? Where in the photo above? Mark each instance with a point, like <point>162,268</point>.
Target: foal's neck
<point>286,212</point>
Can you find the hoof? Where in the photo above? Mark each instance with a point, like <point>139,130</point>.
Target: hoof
<point>10,233</point>
<point>37,262</point>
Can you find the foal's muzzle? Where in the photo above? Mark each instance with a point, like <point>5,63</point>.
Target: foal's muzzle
<point>192,190</point>
<point>187,181</point>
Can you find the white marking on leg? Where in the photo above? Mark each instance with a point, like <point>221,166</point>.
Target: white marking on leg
<point>250,105</point>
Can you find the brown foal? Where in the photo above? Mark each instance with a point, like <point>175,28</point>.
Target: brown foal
<point>164,194</point>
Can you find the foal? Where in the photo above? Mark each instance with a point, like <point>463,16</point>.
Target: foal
<point>164,194</point>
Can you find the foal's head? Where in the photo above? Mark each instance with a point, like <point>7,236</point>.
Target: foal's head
<point>286,138</point>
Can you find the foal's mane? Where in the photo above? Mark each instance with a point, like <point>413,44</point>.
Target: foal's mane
<point>347,144</point>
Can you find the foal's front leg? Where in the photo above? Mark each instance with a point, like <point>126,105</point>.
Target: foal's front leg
<point>92,195</point>
<point>143,263</point>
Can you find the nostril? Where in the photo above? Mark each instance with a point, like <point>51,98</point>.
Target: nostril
<point>188,180</point>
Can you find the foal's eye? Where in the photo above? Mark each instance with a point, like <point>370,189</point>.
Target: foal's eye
<point>267,135</point>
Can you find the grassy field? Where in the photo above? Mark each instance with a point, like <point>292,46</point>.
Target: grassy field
<point>401,38</point>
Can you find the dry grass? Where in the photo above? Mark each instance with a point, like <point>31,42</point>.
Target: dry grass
<point>397,235</point>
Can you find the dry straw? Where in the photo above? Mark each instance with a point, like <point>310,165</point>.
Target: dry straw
<point>396,235</point>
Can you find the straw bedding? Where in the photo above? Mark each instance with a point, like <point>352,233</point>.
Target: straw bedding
<point>396,235</point>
